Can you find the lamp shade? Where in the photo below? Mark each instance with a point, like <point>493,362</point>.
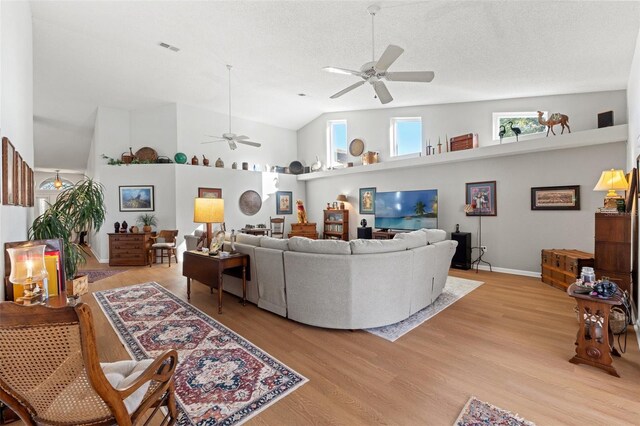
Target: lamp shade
<point>342,198</point>
<point>612,180</point>
<point>208,210</point>
<point>27,264</point>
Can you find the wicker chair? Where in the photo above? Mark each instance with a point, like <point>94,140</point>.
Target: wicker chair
<point>50,373</point>
<point>165,241</point>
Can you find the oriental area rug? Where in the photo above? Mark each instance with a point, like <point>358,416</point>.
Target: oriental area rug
<point>478,413</point>
<point>221,378</point>
<point>454,290</point>
<point>101,274</point>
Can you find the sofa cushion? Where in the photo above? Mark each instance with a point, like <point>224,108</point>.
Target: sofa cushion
<point>414,238</point>
<point>274,243</point>
<point>307,245</point>
<point>377,246</point>
<point>252,240</point>
<point>434,235</point>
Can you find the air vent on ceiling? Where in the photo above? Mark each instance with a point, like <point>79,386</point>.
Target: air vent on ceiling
<point>170,47</point>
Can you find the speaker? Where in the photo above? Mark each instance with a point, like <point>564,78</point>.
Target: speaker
<point>462,257</point>
<point>365,232</point>
<point>605,119</point>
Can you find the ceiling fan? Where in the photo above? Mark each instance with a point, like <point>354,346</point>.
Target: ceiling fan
<point>375,72</point>
<point>232,138</point>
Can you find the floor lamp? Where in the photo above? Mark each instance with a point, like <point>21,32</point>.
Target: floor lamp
<point>208,210</point>
<point>478,209</point>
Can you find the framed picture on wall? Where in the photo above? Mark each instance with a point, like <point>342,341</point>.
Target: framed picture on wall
<point>283,202</point>
<point>209,193</point>
<point>367,203</point>
<point>18,181</point>
<point>8,152</point>
<point>137,198</point>
<point>555,198</point>
<point>25,184</point>
<point>481,196</point>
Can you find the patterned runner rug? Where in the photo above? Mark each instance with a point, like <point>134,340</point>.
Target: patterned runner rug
<point>221,378</point>
<point>101,274</point>
<point>478,413</point>
<point>454,290</point>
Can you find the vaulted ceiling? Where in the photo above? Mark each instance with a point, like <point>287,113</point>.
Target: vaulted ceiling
<point>88,54</point>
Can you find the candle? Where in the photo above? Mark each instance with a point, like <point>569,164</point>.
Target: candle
<point>29,265</point>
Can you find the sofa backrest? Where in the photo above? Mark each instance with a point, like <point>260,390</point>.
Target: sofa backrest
<point>413,239</point>
<point>252,240</point>
<point>307,245</point>
<point>274,243</point>
<point>434,235</point>
<point>377,246</point>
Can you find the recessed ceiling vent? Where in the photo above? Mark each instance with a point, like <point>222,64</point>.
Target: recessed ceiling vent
<point>170,47</point>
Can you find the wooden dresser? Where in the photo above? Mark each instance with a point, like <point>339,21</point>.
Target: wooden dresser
<point>304,230</point>
<point>129,249</point>
<point>613,248</point>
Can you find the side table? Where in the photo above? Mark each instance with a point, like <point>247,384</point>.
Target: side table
<point>593,343</point>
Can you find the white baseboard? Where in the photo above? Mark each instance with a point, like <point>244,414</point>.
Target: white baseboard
<point>96,256</point>
<point>511,271</point>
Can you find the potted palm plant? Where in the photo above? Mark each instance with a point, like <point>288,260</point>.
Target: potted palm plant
<point>147,220</point>
<point>78,208</point>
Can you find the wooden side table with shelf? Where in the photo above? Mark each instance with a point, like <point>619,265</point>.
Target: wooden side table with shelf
<point>336,225</point>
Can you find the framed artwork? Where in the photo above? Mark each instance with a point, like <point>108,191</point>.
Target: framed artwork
<point>33,188</point>
<point>555,198</point>
<point>18,181</point>
<point>482,198</point>
<point>8,153</point>
<point>136,198</point>
<point>25,184</point>
<point>367,203</point>
<point>209,193</point>
<point>283,202</point>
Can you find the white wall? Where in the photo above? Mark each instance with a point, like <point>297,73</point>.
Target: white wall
<point>155,128</point>
<point>16,106</point>
<point>372,126</point>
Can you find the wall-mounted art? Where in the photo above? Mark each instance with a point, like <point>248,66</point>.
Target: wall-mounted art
<point>482,198</point>
<point>137,198</point>
<point>209,193</point>
<point>555,197</point>
<point>367,203</point>
<point>18,181</point>
<point>8,153</point>
<point>283,202</point>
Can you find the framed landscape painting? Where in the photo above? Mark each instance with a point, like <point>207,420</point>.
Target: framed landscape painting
<point>555,198</point>
<point>209,193</point>
<point>137,198</point>
<point>367,203</point>
<point>8,153</point>
<point>283,202</point>
<point>481,196</point>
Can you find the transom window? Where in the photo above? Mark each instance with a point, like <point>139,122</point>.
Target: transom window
<point>406,136</point>
<point>336,142</point>
<point>48,184</point>
<point>527,122</point>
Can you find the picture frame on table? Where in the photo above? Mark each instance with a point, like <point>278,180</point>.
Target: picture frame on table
<point>8,189</point>
<point>565,197</point>
<point>137,198</point>
<point>209,192</point>
<point>482,198</point>
<point>284,202</point>
<point>367,201</point>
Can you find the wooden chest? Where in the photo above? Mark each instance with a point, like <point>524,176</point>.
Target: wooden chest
<point>129,249</point>
<point>561,267</point>
<point>462,142</point>
<point>304,230</point>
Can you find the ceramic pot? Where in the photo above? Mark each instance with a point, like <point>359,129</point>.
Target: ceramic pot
<point>194,161</point>
<point>147,228</point>
<point>245,166</point>
<point>134,229</point>
<point>234,166</point>
<point>205,161</point>
<point>180,158</point>
<point>219,162</point>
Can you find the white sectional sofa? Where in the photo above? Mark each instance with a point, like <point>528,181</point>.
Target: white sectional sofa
<point>345,285</point>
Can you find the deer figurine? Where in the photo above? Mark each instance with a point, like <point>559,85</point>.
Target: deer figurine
<point>555,118</point>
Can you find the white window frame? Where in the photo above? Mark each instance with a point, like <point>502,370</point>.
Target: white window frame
<point>527,114</point>
<point>393,146</point>
<point>331,159</point>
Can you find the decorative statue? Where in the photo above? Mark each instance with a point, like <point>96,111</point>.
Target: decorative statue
<point>116,227</point>
<point>124,226</point>
<point>302,214</point>
<point>516,130</point>
<point>233,241</point>
<point>555,118</point>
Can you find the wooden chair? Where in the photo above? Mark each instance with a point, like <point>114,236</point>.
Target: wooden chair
<point>277,226</point>
<point>165,241</point>
<point>50,372</point>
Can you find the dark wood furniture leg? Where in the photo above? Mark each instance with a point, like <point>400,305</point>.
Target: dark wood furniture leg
<point>220,291</point>
<point>244,284</point>
<point>189,288</point>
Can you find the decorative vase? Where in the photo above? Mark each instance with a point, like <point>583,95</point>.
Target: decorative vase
<point>245,166</point>
<point>124,226</point>
<point>116,227</point>
<point>219,162</point>
<point>194,161</point>
<point>147,228</point>
<point>234,166</point>
<point>180,158</point>
<point>134,229</point>
<point>205,161</point>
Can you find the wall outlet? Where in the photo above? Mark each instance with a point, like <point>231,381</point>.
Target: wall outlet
<point>484,248</point>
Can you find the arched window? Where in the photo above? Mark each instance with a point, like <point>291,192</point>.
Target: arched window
<point>48,184</point>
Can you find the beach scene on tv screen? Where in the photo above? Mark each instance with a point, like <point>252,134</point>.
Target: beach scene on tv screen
<point>407,209</point>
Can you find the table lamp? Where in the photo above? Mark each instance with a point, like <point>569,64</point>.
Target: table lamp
<point>29,270</point>
<point>612,181</point>
<point>208,210</point>
<point>342,198</point>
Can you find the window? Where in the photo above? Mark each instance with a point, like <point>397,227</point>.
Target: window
<point>47,184</point>
<point>406,136</point>
<point>527,122</point>
<point>336,142</point>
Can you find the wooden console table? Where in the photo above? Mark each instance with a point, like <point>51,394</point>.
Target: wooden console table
<point>594,340</point>
<point>304,230</point>
<point>209,269</point>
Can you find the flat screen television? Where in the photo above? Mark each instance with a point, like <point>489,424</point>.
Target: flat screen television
<point>407,210</point>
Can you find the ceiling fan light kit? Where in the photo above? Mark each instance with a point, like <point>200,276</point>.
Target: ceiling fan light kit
<point>375,72</point>
<point>231,138</point>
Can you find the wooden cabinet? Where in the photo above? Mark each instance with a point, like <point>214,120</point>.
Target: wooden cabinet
<point>384,235</point>
<point>129,249</point>
<point>613,248</point>
<point>304,230</point>
<point>336,225</point>
<point>561,267</point>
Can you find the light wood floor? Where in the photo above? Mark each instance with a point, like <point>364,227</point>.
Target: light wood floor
<point>507,343</point>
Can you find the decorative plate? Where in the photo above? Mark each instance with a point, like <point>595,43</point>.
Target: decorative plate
<point>356,147</point>
<point>147,153</point>
<point>296,168</point>
<point>250,202</point>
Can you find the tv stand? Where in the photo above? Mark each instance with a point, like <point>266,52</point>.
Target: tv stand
<point>382,234</point>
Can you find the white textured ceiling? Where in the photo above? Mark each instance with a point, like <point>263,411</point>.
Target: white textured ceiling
<point>88,54</point>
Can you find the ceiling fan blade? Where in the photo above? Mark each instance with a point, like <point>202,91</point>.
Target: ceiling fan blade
<point>382,92</point>
<point>337,70</point>
<point>241,137</point>
<point>232,144</point>
<point>391,53</point>
<point>415,76</point>
<point>256,144</point>
<point>348,89</point>
<point>216,140</point>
